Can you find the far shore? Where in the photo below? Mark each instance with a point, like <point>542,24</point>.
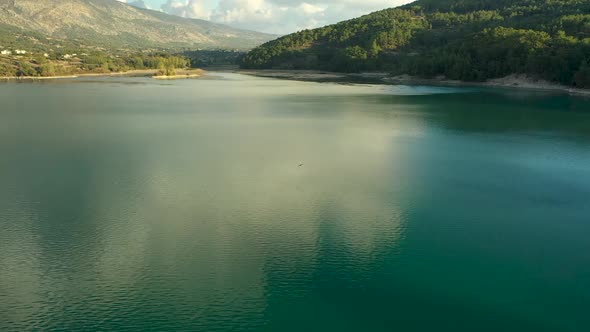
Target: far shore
<point>512,81</point>
<point>181,73</point>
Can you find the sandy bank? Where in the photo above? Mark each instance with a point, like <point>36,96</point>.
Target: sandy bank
<point>303,75</point>
<point>131,73</point>
<point>512,81</point>
<point>191,73</point>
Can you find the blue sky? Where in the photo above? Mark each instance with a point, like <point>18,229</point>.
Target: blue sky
<point>273,16</point>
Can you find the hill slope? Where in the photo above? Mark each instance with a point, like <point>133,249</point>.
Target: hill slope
<point>110,23</point>
<point>472,40</point>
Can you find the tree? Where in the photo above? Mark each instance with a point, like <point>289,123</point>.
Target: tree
<point>582,76</point>
<point>7,70</point>
<point>47,69</point>
<point>25,69</point>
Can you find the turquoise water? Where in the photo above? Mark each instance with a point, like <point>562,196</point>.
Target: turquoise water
<point>136,205</point>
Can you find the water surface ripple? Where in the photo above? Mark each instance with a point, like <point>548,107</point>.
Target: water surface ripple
<point>248,204</point>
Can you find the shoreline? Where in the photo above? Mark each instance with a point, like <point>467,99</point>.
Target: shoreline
<point>191,73</point>
<point>512,81</point>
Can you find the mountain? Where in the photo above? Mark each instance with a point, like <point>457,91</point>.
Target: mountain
<point>110,23</point>
<point>470,40</point>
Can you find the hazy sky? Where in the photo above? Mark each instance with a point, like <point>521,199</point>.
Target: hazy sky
<point>273,16</point>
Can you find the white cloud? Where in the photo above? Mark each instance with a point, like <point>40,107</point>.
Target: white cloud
<point>136,3</point>
<point>187,8</point>
<point>276,16</point>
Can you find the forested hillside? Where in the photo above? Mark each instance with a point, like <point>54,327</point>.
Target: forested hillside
<point>470,40</point>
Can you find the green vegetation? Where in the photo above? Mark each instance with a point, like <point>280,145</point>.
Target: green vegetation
<point>79,62</point>
<point>211,58</point>
<point>168,66</point>
<point>47,56</point>
<point>470,40</point>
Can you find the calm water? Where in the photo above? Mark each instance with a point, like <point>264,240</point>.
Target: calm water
<point>136,205</point>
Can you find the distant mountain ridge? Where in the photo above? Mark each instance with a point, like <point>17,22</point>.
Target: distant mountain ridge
<point>110,23</point>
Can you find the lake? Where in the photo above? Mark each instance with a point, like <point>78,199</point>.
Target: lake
<point>237,203</point>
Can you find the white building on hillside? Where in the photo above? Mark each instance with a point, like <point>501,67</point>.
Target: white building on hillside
<point>20,51</point>
<point>6,52</point>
